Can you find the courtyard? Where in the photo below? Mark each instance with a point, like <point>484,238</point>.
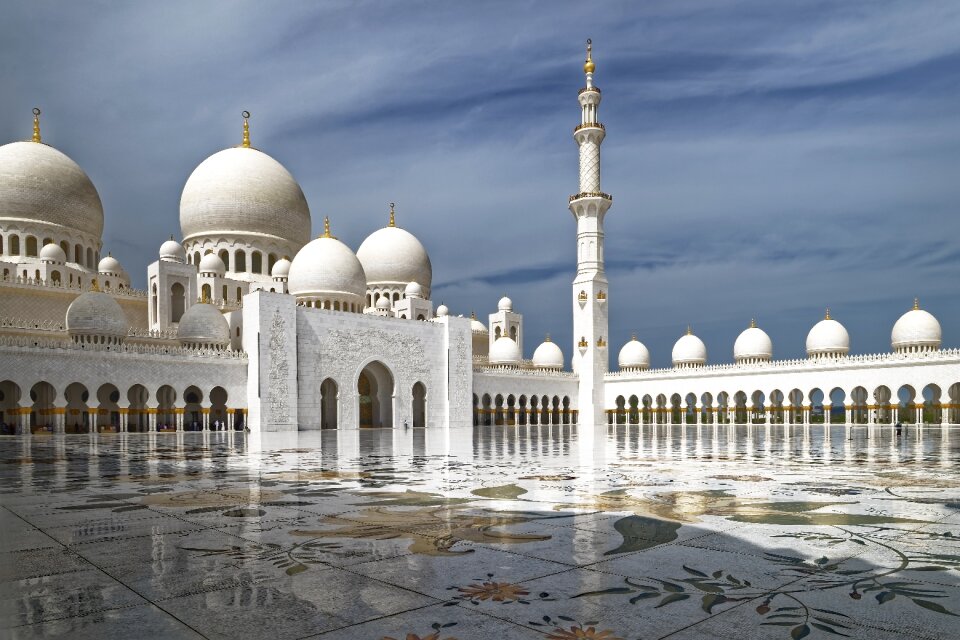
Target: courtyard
<point>628,531</point>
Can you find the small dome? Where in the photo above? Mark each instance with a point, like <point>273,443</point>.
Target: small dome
<point>383,304</point>
<point>326,268</point>
<point>413,290</point>
<point>548,355</point>
<point>110,266</point>
<point>476,326</point>
<point>443,311</point>
<point>393,257</point>
<point>96,314</point>
<point>753,344</point>
<point>916,330</point>
<point>689,351</point>
<point>52,253</point>
<point>281,268</point>
<point>828,338</point>
<point>505,352</point>
<point>243,191</point>
<point>211,263</point>
<point>634,355</point>
<point>172,251</point>
<point>505,304</point>
<point>204,325</point>
<point>39,184</point>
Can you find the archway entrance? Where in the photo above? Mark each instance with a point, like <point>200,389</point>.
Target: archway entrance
<point>419,405</point>
<point>328,404</point>
<point>375,396</point>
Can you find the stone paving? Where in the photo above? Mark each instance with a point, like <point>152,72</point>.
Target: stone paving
<point>491,532</point>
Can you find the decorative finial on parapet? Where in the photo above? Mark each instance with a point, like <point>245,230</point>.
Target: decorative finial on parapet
<point>246,130</point>
<point>326,228</point>
<point>827,315</point>
<point>393,221</point>
<point>588,65</point>
<point>36,124</point>
<point>916,304</point>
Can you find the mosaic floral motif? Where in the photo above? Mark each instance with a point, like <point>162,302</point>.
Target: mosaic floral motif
<point>293,559</point>
<point>566,628</point>
<point>786,606</point>
<point>484,589</point>
<point>435,635</point>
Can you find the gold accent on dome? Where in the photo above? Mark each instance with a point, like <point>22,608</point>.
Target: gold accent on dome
<point>689,331</point>
<point>326,228</point>
<point>246,130</point>
<point>588,65</point>
<point>916,304</point>
<point>393,220</point>
<point>753,323</point>
<point>36,124</point>
<point>633,337</point>
<point>547,339</point>
<point>827,314</point>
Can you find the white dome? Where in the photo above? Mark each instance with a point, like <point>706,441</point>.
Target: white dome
<point>393,257</point>
<point>40,184</point>
<point>243,191</point>
<point>828,337</point>
<point>443,311</point>
<point>212,263</point>
<point>326,268</point>
<point>476,326</point>
<point>95,313</point>
<point>413,290</point>
<point>52,253</point>
<point>689,351</point>
<point>753,344</point>
<point>916,329</point>
<point>383,304</point>
<point>110,266</point>
<point>505,352</point>
<point>203,324</point>
<point>634,355</point>
<point>505,304</point>
<point>548,355</point>
<point>173,251</point>
<point>281,268</point>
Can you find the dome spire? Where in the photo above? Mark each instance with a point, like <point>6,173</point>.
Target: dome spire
<point>753,323</point>
<point>588,65</point>
<point>393,221</point>
<point>827,314</point>
<point>547,339</point>
<point>246,130</point>
<point>916,304</point>
<point>36,124</point>
<point>326,228</point>
<point>689,331</point>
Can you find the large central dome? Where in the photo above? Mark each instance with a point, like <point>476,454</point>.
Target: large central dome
<point>39,184</point>
<point>243,191</point>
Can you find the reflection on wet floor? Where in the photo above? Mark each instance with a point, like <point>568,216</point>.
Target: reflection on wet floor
<point>626,531</point>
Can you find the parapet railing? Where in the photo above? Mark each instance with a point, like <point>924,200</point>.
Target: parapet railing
<point>53,344</point>
<point>796,364</point>
<point>31,325</point>
<point>127,292</point>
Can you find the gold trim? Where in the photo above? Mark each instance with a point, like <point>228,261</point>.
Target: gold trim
<point>246,130</point>
<point>36,124</point>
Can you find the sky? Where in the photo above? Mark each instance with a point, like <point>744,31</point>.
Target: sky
<point>766,159</point>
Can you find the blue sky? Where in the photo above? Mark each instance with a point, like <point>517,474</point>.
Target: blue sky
<point>767,159</point>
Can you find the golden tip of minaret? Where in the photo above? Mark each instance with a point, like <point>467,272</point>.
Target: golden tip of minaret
<point>916,304</point>
<point>36,124</point>
<point>827,314</point>
<point>588,66</point>
<point>393,220</point>
<point>246,130</point>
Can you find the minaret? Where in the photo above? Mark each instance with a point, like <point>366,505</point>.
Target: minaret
<point>590,304</point>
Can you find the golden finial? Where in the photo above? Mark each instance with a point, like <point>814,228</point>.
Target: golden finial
<point>94,285</point>
<point>246,130</point>
<point>916,304</point>
<point>827,315</point>
<point>753,323</point>
<point>689,331</point>
<point>588,66</point>
<point>36,124</point>
<point>326,228</point>
<point>473,315</point>
<point>633,337</point>
<point>547,339</point>
<point>393,221</point>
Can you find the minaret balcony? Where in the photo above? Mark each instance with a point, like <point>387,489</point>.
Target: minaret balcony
<point>585,89</point>
<point>591,194</point>
<point>589,125</point>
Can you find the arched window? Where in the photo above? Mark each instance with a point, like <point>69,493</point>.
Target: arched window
<point>1,245</point>
<point>177,301</point>
<point>78,254</point>
<point>239,294</point>
<point>46,241</point>
<point>239,261</point>
<point>513,333</point>
<point>271,260</point>
<point>196,257</point>
<point>31,246</point>
<point>89,258</point>
<point>206,293</point>
<point>14,245</point>
<point>154,303</point>
<point>256,262</point>
<point>66,248</point>
<point>225,256</point>
<point>223,293</point>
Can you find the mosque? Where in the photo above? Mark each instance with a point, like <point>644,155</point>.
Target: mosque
<point>243,325</point>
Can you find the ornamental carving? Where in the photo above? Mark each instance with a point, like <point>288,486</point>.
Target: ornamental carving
<point>279,371</point>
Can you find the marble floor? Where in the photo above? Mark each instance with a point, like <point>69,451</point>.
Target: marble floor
<point>492,532</point>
